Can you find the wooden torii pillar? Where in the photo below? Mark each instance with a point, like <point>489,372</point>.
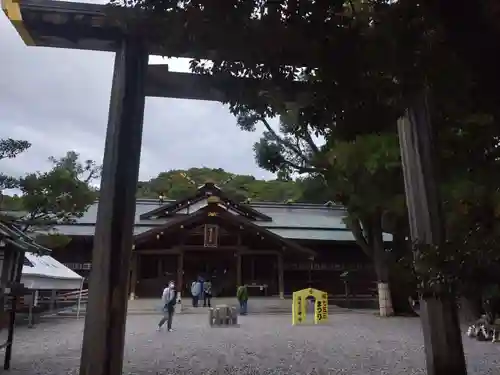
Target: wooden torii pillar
<point>103,338</point>
<point>440,325</point>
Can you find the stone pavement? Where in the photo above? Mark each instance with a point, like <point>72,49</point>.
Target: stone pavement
<point>355,344</point>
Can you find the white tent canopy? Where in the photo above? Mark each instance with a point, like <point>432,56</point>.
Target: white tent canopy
<point>44,272</point>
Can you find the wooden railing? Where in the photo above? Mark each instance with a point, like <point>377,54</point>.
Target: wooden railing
<point>61,299</point>
<point>73,296</point>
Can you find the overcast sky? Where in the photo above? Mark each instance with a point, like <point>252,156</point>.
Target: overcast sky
<point>58,100</point>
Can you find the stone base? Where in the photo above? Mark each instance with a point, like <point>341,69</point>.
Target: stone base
<point>178,304</point>
<point>385,300</point>
<point>223,316</point>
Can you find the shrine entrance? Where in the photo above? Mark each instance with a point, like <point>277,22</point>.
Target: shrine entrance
<point>218,266</point>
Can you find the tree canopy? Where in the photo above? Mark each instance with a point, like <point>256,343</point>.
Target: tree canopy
<point>57,196</point>
<point>177,184</point>
<point>61,194</point>
<point>9,149</point>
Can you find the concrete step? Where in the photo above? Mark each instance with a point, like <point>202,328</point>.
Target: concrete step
<point>150,307</point>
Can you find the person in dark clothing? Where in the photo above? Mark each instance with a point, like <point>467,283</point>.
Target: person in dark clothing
<point>207,293</point>
<point>169,299</point>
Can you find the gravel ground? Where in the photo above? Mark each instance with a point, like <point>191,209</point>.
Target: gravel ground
<point>357,344</point>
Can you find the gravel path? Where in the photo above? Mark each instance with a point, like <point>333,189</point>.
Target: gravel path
<point>357,344</point>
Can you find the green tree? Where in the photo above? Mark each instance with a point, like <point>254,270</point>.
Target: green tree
<point>60,195</point>
<point>176,184</point>
<point>9,149</point>
<point>468,159</point>
<point>363,174</point>
<point>366,177</point>
<point>12,203</point>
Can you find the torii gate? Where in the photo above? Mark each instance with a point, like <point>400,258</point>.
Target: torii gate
<point>53,23</point>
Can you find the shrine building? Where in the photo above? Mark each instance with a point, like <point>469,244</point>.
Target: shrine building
<point>275,248</point>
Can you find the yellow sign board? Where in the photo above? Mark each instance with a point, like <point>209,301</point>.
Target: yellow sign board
<point>299,305</point>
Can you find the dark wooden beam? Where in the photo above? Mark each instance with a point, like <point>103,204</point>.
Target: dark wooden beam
<point>103,339</point>
<point>281,278</point>
<point>239,277</point>
<point>15,273</point>
<point>174,251</point>
<point>65,24</point>
<point>259,252</point>
<point>162,83</point>
<point>209,249</point>
<point>180,271</point>
<point>440,325</point>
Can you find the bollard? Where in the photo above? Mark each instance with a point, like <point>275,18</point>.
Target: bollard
<point>235,315</point>
<point>178,304</point>
<point>217,316</point>
<point>211,316</point>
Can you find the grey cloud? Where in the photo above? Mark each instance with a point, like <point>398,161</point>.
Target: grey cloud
<point>58,100</point>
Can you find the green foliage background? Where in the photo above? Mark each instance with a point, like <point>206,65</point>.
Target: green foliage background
<point>173,185</point>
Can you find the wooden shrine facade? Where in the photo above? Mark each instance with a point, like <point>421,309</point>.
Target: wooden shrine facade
<point>215,244</point>
<point>211,236</point>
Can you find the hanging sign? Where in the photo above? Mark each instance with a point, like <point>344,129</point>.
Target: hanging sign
<point>299,304</point>
<point>211,235</point>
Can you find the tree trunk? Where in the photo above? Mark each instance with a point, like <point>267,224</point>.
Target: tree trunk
<point>384,291</point>
<point>381,261</point>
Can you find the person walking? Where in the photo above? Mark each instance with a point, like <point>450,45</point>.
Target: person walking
<point>169,299</point>
<point>195,292</point>
<point>242,296</point>
<point>207,293</point>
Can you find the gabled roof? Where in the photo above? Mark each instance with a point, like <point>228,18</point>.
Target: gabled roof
<point>204,191</point>
<point>10,234</point>
<point>215,213</point>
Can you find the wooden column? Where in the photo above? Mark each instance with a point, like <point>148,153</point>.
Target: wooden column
<point>159,265</point>
<point>53,300</point>
<point>440,325</point>
<point>252,268</point>
<point>103,338</point>
<point>281,279</point>
<point>15,274</point>
<point>133,275</point>
<point>239,280</point>
<point>180,271</point>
